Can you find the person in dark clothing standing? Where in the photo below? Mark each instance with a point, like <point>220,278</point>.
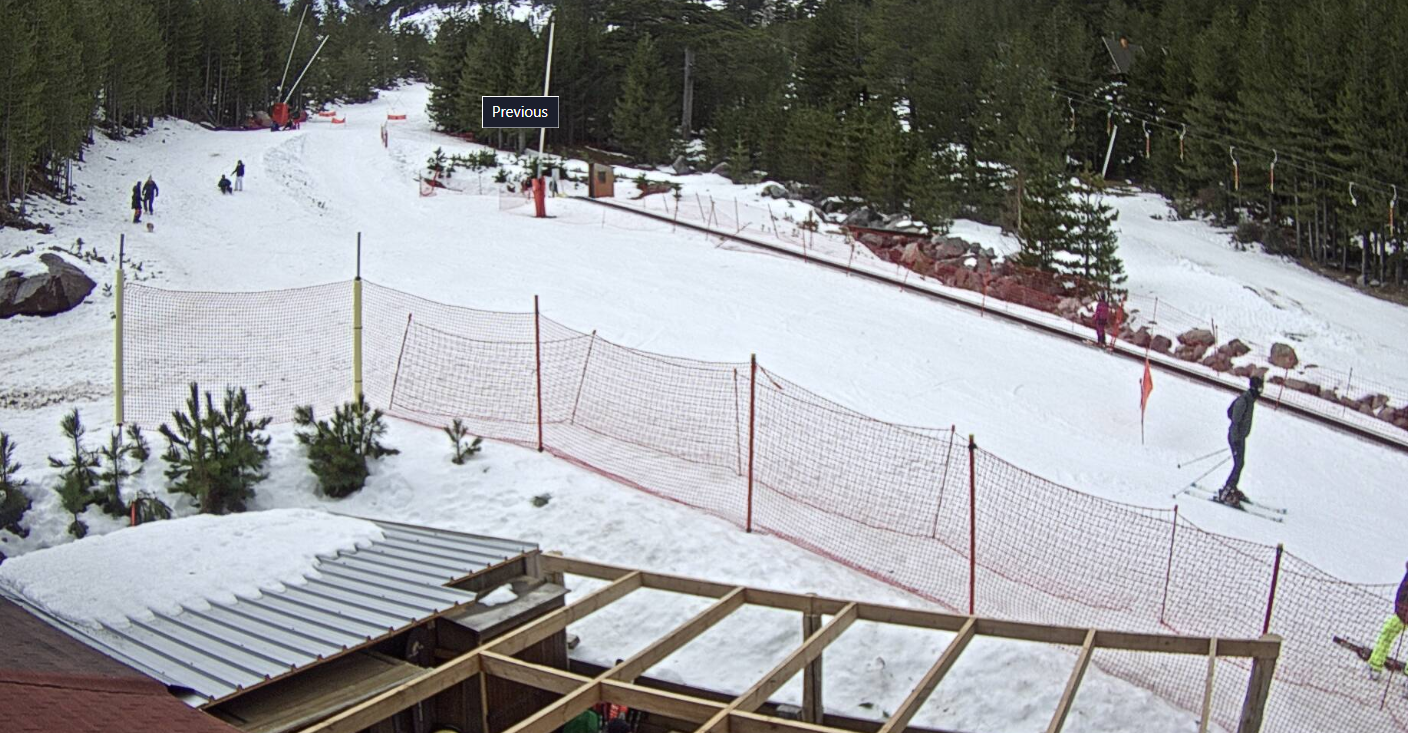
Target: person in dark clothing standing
<point>1240,415</point>
<point>1102,319</point>
<point>239,175</point>
<point>1393,626</point>
<point>149,192</point>
<point>137,202</point>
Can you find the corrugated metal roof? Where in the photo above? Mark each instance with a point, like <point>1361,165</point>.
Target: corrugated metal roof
<point>349,600</point>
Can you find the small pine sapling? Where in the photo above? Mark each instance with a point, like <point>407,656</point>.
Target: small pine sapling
<point>463,449</point>
<point>13,501</point>
<point>139,448</point>
<point>147,508</point>
<point>80,473</point>
<point>338,450</point>
<point>116,454</point>
<point>216,456</point>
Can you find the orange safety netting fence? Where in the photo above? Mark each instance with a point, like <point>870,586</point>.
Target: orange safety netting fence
<point>914,507</point>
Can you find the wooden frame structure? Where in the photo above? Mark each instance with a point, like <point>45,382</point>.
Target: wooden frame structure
<point>618,684</point>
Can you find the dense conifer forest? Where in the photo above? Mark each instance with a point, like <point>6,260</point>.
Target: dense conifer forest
<point>989,109</point>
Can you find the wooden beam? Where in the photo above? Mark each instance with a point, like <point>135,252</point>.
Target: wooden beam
<point>432,682</point>
<point>795,601</point>
<point>516,641</point>
<point>810,649</point>
<point>553,563</point>
<point>659,702</point>
<point>1063,706</point>
<point>483,702</point>
<point>899,720</point>
<point>912,617</point>
<point>652,655</point>
<point>1207,690</point>
<point>560,711</point>
<point>812,705</point>
<point>687,586</point>
<point>741,722</point>
<point>533,675</point>
<point>1258,690</point>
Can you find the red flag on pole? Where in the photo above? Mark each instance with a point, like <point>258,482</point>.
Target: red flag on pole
<point>1146,386</point>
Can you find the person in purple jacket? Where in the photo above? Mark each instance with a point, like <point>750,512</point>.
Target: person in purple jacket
<point>1102,319</point>
<point>1393,626</point>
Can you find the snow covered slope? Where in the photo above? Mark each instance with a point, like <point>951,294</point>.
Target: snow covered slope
<point>1057,409</point>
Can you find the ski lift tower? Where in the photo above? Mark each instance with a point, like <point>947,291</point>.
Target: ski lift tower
<point>280,111</point>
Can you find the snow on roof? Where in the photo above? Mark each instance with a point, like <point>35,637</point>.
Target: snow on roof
<point>163,565</point>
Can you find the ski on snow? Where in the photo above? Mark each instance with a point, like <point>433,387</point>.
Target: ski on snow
<point>1256,509</point>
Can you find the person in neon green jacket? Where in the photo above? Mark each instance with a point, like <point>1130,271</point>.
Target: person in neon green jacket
<point>1393,626</point>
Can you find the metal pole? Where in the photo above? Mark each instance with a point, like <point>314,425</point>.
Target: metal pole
<point>547,79</point>
<point>972,523</point>
<point>752,424</point>
<point>289,62</point>
<point>396,378</point>
<point>583,381</point>
<point>1168,572</point>
<point>1271,599</point>
<point>1114,132</point>
<point>357,325</point>
<point>118,396</point>
<point>316,51</point>
<point>538,369</point>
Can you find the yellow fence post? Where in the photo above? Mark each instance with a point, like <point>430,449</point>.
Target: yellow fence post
<point>357,325</point>
<point>117,334</point>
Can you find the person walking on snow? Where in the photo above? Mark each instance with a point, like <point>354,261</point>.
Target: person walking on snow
<point>239,175</point>
<point>1240,415</point>
<point>1393,626</point>
<point>149,192</point>
<point>1102,319</point>
<point>137,203</point>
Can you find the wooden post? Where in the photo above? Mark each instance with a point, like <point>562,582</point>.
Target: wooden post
<point>752,423</point>
<point>812,710</point>
<point>118,394</point>
<point>972,523</point>
<point>538,369</point>
<point>1207,689</point>
<point>1282,390</point>
<point>357,325</point>
<point>1258,690</point>
<point>1271,599</point>
<point>1347,385</point>
<point>1168,571</point>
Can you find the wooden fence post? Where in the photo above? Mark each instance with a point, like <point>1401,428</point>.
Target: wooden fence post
<point>1258,690</point>
<point>1271,599</point>
<point>812,710</point>
<point>752,423</point>
<point>538,369</point>
<point>972,523</point>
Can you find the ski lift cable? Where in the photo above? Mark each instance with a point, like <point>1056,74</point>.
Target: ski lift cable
<point>1328,172</point>
<point>1219,109</point>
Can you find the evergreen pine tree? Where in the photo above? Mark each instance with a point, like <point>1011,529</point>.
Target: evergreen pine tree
<point>463,448</point>
<point>338,450</point>
<point>79,477</point>
<point>116,471</point>
<point>14,502</point>
<point>884,162</point>
<point>216,456</point>
<point>1094,243</point>
<point>933,189</point>
<point>641,122</point>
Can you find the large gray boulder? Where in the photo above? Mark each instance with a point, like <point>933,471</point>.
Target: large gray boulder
<point>681,166</point>
<point>862,217</point>
<point>1283,356</point>
<point>59,290</point>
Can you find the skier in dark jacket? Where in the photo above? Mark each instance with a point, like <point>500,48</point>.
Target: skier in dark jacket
<point>137,202</point>
<point>1393,626</point>
<point>1240,414</point>
<point>239,175</point>
<point>149,192</point>
<point>224,184</point>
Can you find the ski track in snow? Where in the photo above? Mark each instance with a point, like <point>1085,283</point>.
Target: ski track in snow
<point>1060,410</point>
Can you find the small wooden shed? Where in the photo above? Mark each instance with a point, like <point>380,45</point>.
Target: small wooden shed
<point>601,183</point>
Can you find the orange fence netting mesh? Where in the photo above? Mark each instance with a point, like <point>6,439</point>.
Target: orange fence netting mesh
<point>888,500</point>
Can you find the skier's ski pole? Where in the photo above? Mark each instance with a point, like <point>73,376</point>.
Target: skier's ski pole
<point>1203,458</point>
<point>1220,464</point>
